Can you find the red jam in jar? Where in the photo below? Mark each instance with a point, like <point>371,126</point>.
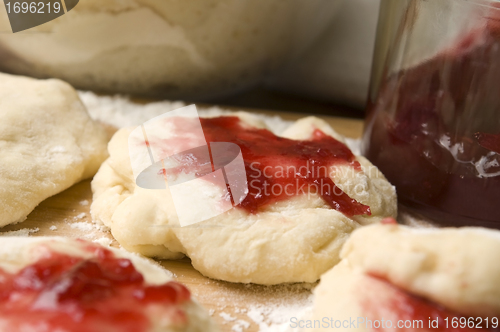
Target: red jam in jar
<point>434,129</point>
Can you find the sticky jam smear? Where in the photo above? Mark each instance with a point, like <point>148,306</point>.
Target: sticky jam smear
<point>105,293</point>
<point>385,305</point>
<point>278,168</point>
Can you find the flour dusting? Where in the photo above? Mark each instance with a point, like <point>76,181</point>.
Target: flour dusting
<point>120,112</point>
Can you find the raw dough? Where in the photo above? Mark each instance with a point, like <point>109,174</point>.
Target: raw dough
<point>455,268</point>
<point>295,240</point>
<point>48,142</point>
<point>18,253</point>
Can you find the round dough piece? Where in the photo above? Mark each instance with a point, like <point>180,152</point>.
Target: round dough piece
<point>48,142</point>
<point>388,270</point>
<point>294,240</point>
<point>52,275</point>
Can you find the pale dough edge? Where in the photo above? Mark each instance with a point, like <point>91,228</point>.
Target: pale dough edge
<point>455,267</point>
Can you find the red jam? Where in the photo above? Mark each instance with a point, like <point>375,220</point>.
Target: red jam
<point>385,305</point>
<point>64,293</point>
<point>278,168</point>
<point>435,131</point>
<point>489,141</point>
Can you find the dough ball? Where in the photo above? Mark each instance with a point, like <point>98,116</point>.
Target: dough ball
<point>293,240</point>
<point>48,142</point>
<point>72,282</point>
<point>401,274</point>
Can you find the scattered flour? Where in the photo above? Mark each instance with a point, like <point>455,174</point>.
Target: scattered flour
<point>53,228</point>
<point>270,317</point>
<point>84,202</point>
<point>277,317</point>
<point>90,230</point>
<point>81,216</point>
<point>227,317</point>
<point>101,227</point>
<point>104,241</point>
<point>82,226</point>
<point>21,232</point>
<point>268,308</point>
<point>120,112</point>
<point>240,326</point>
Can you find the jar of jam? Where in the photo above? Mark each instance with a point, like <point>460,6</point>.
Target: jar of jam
<point>433,118</point>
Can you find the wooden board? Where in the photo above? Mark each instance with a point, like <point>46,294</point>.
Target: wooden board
<point>68,214</point>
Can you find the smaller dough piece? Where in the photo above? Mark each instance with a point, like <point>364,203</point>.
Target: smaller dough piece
<point>48,142</point>
<point>61,284</point>
<point>397,273</point>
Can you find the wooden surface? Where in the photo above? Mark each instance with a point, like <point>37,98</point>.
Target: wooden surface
<point>68,213</point>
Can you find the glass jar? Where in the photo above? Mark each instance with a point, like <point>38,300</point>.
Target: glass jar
<point>433,118</point>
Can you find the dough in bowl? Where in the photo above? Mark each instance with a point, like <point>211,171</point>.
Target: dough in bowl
<point>61,284</point>
<point>428,279</point>
<point>292,238</point>
<point>48,142</point>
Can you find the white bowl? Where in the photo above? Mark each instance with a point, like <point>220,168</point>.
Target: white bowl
<point>194,49</point>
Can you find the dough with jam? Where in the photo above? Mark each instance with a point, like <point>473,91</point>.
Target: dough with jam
<point>48,142</point>
<point>293,240</point>
<point>52,274</point>
<point>395,272</point>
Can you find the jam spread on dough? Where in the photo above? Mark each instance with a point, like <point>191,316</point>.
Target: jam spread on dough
<point>104,293</point>
<point>385,306</point>
<point>278,167</point>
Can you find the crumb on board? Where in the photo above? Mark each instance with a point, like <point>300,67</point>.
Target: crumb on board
<point>53,228</point>
<point>84,202</point>
<point>80,216</point>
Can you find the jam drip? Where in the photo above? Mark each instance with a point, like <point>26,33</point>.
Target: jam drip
<point>65,293</point>
<point>278,168</point>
